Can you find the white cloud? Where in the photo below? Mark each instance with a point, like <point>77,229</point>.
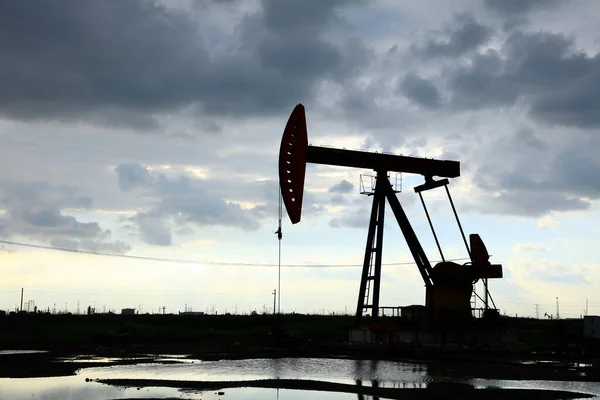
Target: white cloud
<point>548,222</point>
<point>529,247</point>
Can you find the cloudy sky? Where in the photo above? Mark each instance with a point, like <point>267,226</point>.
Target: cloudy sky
<point>152,129</point>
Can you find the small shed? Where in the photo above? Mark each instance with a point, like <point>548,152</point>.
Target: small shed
<point>413,313</point>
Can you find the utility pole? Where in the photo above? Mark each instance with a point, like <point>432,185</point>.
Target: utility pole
<point>21,300</point>
<point>279,237</point>
<point>274,299</point>
<point>586,307</point>
<point>557,310</point>
<point>537,311</point>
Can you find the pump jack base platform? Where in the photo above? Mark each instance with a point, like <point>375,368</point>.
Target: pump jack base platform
<point>479,333</point>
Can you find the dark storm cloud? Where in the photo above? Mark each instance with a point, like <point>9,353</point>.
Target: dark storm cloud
<point>560,84</point>
<point>132,176</point>
<point>530,203</point>
<point>16,194</point>
<point>421,91</point>
<point>36,210</point>
<point>127,62</point>
<point>66,58</point>
<point>509,8</point>
<point>533,178</point>
<point>570,172</point>
<point>463,36</point>
<point>359,101</point>
<point>544,74</point>
<point>63,225</point>
<point>299,15</point>
<point>527,139</point>
<point>343,187</point>
<point>153,229</point>
<point>482,83</point>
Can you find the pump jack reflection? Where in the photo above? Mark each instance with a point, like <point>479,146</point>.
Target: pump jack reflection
<point>366,397</point>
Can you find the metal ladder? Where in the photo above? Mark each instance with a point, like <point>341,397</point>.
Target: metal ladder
<point>370,278</point>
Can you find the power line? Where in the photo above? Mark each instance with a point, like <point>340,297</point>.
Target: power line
<point>181,261</point>
<point>96,253</point>
<point>147,294</point>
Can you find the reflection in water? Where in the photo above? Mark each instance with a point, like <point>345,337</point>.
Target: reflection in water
<point>389,374</point>
<point>365,396</point>
<point>385,374</point>
<point>72,387</point>
<point>454,387</point>
<point>276,368</point>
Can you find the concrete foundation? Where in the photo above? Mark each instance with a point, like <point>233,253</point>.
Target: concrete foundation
<point>431,338</point>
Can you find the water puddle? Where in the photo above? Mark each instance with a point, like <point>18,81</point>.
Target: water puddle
<point>94,359</point>
<point>393,374</point>
<point>16,352</point>
<point>75,388</point>
<point>383,374</point>
<point>142,360</point>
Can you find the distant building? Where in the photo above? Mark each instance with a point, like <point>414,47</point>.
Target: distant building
<point>191,313</point>
<point>128,311</point>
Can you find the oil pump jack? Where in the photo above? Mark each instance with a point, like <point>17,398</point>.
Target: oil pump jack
<point>448,285</point>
